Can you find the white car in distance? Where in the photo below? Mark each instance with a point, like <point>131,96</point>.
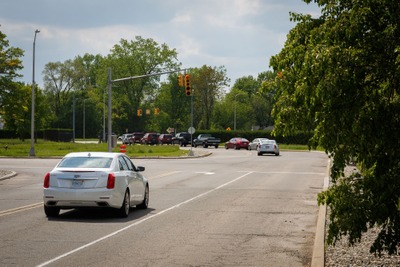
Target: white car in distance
<point>267,147</point>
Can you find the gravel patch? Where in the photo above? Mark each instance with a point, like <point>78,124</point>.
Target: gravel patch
<point>358,255</point>
<point>343,255</point>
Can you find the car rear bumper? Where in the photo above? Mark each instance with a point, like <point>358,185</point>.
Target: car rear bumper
<point>67,198</point>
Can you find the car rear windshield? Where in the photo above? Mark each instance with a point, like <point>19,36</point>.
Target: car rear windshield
<point>85,162</point>
<point>268,141</point>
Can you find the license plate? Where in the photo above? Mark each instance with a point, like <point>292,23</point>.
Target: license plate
<point>77,183</point>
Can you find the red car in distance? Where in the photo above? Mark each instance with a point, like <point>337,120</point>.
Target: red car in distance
<point>237,143</point>
<point>165,139</point>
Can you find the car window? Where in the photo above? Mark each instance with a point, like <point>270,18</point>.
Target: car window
<point>85,162</point>
<point>129,164</point>
<point>122,164</point>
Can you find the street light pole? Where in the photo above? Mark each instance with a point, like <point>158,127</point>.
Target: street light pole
<point>73,119</point>
<point>32,150</point>
<point>234,116</point>
<point>103,139</point>
<point>109,130</point>
<point>84,119</point>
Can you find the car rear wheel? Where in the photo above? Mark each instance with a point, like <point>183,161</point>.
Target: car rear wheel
<point>51,211</point>
<point>123,212</point>
<point>145,202</point>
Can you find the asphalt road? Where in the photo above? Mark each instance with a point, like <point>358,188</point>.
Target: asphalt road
<point>232,208</point>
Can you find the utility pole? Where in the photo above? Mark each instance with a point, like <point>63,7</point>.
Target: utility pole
<point>32,150</point>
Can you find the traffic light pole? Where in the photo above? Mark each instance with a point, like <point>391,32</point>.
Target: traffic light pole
<point>110,82</point>
<point>191,125</point>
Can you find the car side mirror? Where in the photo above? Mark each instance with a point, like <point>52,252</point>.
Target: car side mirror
<point>140,168</point>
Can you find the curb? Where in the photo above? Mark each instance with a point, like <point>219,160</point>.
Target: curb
<point>318,256</point>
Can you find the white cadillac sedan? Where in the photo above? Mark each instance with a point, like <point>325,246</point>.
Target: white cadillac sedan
<point>95,179</point>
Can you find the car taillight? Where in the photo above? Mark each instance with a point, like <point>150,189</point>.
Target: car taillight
<point>46,182</point>
<point>111,181</point>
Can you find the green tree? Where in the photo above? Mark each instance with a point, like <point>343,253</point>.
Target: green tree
<point>224,111</point>
<point>207,85</point>
<point>58,87</point>
<point>339,75</point>
<point>10,64</point>
<point>259,102</point>
<point>17,104</point>
<point>135,58</point>
<point>72,84</point>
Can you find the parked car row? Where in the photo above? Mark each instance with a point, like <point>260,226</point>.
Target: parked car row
<point>151,138</point>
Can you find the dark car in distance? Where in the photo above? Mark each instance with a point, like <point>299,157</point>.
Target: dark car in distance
<point>149,139</point>
<point>136,137</point>
<point>165,139</point>
<point>183,139</point>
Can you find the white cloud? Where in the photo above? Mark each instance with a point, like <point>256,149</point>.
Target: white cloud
<point>240,34</point>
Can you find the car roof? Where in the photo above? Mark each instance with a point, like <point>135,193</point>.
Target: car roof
<point>94,154</point>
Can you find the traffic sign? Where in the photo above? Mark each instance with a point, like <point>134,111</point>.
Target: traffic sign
<point>191,130</point>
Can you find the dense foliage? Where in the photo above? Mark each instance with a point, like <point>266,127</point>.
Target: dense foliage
<point>339,74</point>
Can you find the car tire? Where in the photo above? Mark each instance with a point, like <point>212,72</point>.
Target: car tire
<point>216,146</point>
<point>51,211</point>
<point>276,154</point>
<point>205,146</point>
<point>145,202</point>
<point>260,154</point>
<point>226,146</point>
<point>123,212</point>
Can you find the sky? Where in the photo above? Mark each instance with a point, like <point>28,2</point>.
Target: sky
<point>240,35</point>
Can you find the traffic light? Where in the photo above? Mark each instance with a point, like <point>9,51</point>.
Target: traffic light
<point>139,112</point>
<point>187,85</point>
<point>180,80</point>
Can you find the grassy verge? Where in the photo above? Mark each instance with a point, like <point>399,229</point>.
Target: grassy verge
<point>43,149</point>
<point>18,148</point>
<point>295,147</point>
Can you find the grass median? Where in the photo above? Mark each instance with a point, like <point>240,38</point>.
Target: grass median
<point>44,149</point>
